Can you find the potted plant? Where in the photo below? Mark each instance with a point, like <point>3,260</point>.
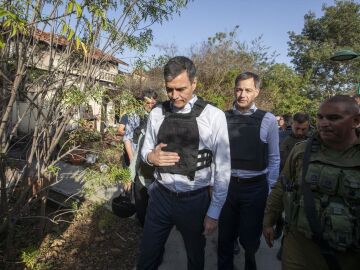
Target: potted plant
<point>78,143</point>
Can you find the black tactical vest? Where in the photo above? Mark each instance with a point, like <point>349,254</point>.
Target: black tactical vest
<point>247,150</point>
<point>181,134</point>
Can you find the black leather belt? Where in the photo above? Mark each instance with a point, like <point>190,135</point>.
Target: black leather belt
<point>182,194</point>
<point>242,180</point>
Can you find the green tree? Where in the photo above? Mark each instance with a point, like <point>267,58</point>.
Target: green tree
<point>78,39</point>
<point>221,58</point>
<point>287,91</point>
<point>310,50</point>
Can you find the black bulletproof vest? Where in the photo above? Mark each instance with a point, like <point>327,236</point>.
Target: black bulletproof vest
<point>181,134</point>
<point>247,150</point>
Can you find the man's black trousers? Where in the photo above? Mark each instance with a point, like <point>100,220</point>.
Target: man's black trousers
<point>242,216</point>
<point>164,211</point>
<point>141,200</point>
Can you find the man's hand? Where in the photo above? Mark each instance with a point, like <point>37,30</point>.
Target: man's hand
<point>269,236</point>
<point>162,158</point>
<point>127,186</point>
<point>210,225</point>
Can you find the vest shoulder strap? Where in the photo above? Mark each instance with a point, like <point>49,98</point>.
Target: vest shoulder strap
<point>229,113</point>
<point>199,106</point>
<point>166,107</point>
<point>258,115</point>
<point>197,109</point>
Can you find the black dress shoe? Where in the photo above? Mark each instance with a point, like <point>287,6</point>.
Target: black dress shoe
<point>250,263</point>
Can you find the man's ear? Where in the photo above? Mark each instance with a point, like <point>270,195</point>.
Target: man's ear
<point>356,122</point>
<point>193,84</point>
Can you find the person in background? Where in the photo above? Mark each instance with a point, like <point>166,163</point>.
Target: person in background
<point>136,125</point>
<point>255,159</point>
<point>281,122</point>
<point>184,137</point>
<point>123,120</point>
<point>285,129</point>
<point>299,132</point>
<point>318,190</point>
<point>135,122</point>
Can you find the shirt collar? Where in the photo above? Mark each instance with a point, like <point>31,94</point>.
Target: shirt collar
<point>252,109</point>
<point>187,108</point>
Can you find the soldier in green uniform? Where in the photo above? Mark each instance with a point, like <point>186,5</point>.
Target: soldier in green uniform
<point>319,190</point>
<point>299,130</point>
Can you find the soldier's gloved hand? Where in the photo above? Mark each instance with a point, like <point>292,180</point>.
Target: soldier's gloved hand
<point>268,233</point>
<point>158,157</point>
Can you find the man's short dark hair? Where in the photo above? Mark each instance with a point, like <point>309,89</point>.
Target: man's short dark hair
<point>287,119</point>
<point>177,65</point>
<point>150,93</point>
<point>351,105</point>
<point>248,75</point>
<point>301,117</point>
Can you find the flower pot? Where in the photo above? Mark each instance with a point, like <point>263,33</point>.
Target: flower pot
<point>122,206</point>
<point>77,157</point>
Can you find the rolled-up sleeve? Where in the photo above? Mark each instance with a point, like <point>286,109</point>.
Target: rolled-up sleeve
<point>222,164</point>
<point>150,138</point>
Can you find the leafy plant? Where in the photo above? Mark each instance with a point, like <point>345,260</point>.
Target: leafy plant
<point>30,256</point>
<point>111,155</point>
<point>93,179</point>
<point>52,169</point>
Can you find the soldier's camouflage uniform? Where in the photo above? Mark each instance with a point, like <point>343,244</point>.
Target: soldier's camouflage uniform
<point>334,177</point>
<point>286,146</point>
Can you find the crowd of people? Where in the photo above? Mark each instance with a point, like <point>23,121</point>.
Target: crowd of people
<point>245,172</point>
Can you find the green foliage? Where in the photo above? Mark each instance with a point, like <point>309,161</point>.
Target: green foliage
<point>94,179</point>
<point>74,96</point>
<point>111,155</point>
<point>217,100</point>
<point>52,169</point>
<point>221,58</point>
<point>288,91</point>
<point>81,136</point>
<point>30,256</point>
<point>126,102</point>
<point>11,23</point>
<point>320,38</point>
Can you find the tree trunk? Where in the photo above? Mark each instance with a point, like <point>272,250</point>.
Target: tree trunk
<point>4,210</point>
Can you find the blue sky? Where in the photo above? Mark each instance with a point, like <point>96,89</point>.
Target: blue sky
<point>203,18</point>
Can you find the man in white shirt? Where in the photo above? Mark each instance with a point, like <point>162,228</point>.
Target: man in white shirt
<point>185,139</point>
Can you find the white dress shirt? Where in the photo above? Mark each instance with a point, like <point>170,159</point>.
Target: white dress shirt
<point>213,135</point>
<point>268,134</point>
